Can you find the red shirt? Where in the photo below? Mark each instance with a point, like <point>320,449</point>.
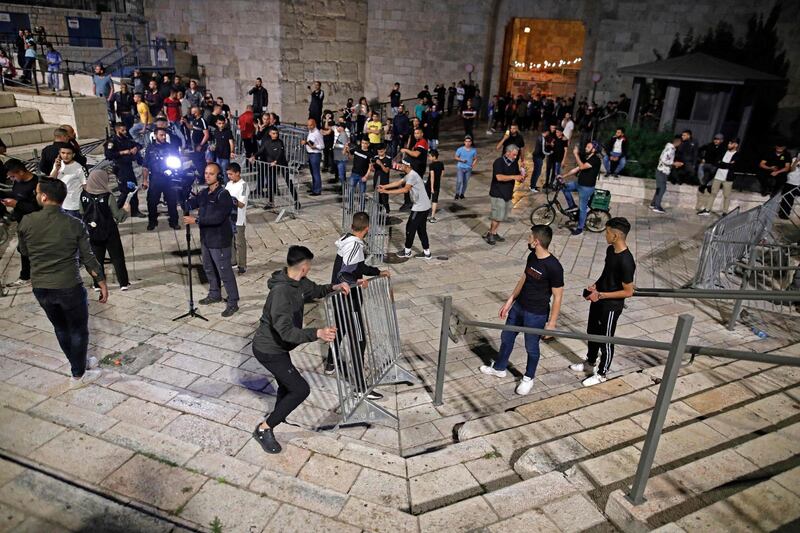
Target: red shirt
<point>422,143</point>
<point>246,125</point>
<point>173,109</point>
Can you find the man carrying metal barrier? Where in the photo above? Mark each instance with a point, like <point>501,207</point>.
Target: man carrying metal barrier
<point>529,306</point>
<point>350,267</point>
<point>607,297</point>
<point>281,331</point>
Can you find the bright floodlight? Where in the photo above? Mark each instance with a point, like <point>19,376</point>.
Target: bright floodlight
<point>173,162</point>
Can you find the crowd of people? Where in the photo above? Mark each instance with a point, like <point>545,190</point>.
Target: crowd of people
<point>34,53</point>
<point>162,119</point>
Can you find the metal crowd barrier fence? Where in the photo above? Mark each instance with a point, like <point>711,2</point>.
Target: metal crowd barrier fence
<point>453,326</point>
<point>273,185</point>
<point>726,241</point>
<point>295,151</point>
<point>355,200</point>
<point>367,348</point>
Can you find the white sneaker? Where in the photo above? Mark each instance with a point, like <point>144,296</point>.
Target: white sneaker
<point>595,379</point>
<point>424,255</point>
<point>403,253</point>
<point>92,362</point>
<point>19,283</point>
<point>525,386</point>
<point>87,377</point>
<point>490,371</point>
<point>583,367</point>
<point>124,288</point>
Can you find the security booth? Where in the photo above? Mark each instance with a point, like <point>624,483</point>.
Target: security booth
<point>703,93</point>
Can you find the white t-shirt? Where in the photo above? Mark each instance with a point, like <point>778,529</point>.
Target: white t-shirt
<point>240,191</point>
<point>419,197</point>
<point>74,177</point>
<point>722,173</point>
<point>617,146</point>
<point>568,127</point>
<point>793,178</point>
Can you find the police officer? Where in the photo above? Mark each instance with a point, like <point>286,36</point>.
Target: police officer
<point>161,184</point>
<point>199,136</point>
<point>123,151</point>
<point>174,138</point>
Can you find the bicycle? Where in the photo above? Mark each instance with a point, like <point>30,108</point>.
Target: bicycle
<point>596,217</point>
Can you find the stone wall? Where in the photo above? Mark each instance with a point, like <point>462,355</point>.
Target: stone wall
<point>87,114</point>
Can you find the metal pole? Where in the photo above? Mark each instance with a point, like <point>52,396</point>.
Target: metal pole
<point>679,340</point>
<point>35,74</point>
<point>444,334</point>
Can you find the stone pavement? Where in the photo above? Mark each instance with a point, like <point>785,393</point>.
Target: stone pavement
<point>168,429</point>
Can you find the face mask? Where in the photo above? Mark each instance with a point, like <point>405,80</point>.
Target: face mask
<point>531,247</point>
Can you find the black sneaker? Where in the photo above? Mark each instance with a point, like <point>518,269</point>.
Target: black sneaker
<point>330,369</point>
<point>209,300</point>
<point>498,238</point>
<point>230,310</point>
<point>489,238</point>
<point>151,226</point>
<point>175,226</point>
<point>139,214</point>
<point>405,207</point>
<point>266,438</point>
<point>374,395</point>
<point>242,270</point>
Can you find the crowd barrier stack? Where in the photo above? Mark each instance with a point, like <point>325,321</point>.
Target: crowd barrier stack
<point>355,200</point>
<point>271,184</point>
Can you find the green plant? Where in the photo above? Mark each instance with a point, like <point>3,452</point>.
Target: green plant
<point>216,525</point>
<point>644,146</point>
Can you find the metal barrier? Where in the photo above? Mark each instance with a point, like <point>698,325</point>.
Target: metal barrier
<point>273,184</point>
<point>367,348</point>
<point>295,151</point>
<point>453,325</point>
<point>355,200</point>
<point>726,241</point>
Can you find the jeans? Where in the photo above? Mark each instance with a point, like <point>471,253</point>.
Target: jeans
<point>68,312</point>
<point>661,188</point>
<point>518,316</point>
<point>705,173</point>
<point>176,129</point>
<point>619,164</point>
<point>217,265</point>
<point>138,131</point>
<point>538,162</point>
<point>357,183</point>
<point>314,160</point>
<point>341,170</point>
<point>53,80</point>
<point>553,170</point>
<point>584,195</point>
<point>462,180</point>
<point>74,213</point>
<point>126,176</point>
<point>293,389</point>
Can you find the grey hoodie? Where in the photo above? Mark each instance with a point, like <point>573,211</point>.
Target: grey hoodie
<point>281,328</point>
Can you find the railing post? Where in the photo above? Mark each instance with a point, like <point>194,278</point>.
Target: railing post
<point>69,85</point>
<point>674,358</point>
<point>35,75</point>
<point>444,337</point>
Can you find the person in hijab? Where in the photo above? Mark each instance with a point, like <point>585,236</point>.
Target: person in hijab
<point>101,215</point>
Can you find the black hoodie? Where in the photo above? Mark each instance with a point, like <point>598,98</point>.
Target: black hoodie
<point>281,327</point>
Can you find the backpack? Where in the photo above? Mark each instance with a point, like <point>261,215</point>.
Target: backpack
<point>97,216</point>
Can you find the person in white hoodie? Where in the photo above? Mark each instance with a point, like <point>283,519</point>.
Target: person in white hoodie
<point>350,267</point>
<point>73,174</point>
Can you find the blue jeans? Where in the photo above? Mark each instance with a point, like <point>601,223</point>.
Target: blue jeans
<point>223,163</point>
<point>462,179</point>
<point>357,183</point>
<point>53,80</point>
<point>518,316</point>
<point>74,213</point>
<point>314,161</point>
<point>584,195</point>
<point>341,170</point>
<point>68,311</point>
<point>138,131</point>
<point>553,170</point>
<point>620,163</point>
<point>538,163</point>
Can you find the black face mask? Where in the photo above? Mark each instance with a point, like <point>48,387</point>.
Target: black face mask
<point>531,248</point>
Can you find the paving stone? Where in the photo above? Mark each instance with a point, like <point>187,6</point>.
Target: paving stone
<point>549,456</point>
<point>94,398</point>
<point>442,487</point>
<point>528,494</point>
<point>329,472</point>
<point>574,513</point>
<point>451,455</point>
<point>490,424</point>
<point>549,407</point>
<point>719,398</point>
<point>608,436</point>
<point>209,387</point>
<point>154,482</point>
<point>298,492</point>
<point>9,471</point>
<point>202,408</point>
<point>145,414</point>
<point>236,509</point>
<point>380,488</point>
<point>323,444</point>
<point>289,461</point>
<point>735,423</point>
<point>774,408</point>
<point>377,518</point>
<point>81,455</point>
<point>420,436</point>
<point>143,390</point>
<point>609,468</point>
<point>769,449</point>
<point>19,398</point>
<point>207,434</point>
<point>789,480</point>
<point>40,380</point>
<point>535,521</point>
<point>10,518</point>
<point>150,442</point>
<point>371,458</point>
<point>223,468</point>
<point>23,433</point>
<point>466,515</point>
<point>68,415</point>
<point>168,375</point>
<point>291,519</point>
<point>493,473</point>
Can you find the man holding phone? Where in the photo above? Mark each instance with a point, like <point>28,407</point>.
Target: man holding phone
<point>314,144</point>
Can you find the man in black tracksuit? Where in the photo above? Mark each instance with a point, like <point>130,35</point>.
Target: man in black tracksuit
<point>350,267</point>
<point>281,331</point>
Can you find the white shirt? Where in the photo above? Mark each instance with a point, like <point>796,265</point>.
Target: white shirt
<point>793,178</point>
<point>722,173</point>
<point>568,127</point>
<point>666,159</point>
<point>617,146</point>
<point>319,143</point>
<point>419,197</point>
<point>240,191</point>
<point>74,177</point>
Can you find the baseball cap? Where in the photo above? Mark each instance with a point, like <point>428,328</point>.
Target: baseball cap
<point>719,136</point>
<point>467,137</point>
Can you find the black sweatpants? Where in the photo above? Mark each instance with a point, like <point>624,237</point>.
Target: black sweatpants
<point>417,225</point>
<point>112,245</point>
<point>293,389</point>
<point>602,321</point>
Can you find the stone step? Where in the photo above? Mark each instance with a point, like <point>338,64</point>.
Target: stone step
<point>18,116</point>
<point>668,494</point>
<point>29,134</point>
<point>7,100</point>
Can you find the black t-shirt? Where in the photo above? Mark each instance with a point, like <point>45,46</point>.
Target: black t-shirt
<point>503,189</point>
<point>779,160</point>
<point>516,139</point>
<point>361,161</point>
<point>559,147</point>
<point>541,277</point>
<point>437,167</point>
<point>378,173</point>
<point>394,96</point>
<point>198,126</point>
<point>618,269</point>
<point>223,146</point>
<point>588,177</point>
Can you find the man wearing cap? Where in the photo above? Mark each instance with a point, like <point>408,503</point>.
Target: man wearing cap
<point>710,156</point>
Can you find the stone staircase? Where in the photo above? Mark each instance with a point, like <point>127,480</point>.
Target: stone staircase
<point>728,457</point>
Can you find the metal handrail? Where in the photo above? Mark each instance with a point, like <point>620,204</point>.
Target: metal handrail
<point>676,350</point>
<point>34,85</point>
